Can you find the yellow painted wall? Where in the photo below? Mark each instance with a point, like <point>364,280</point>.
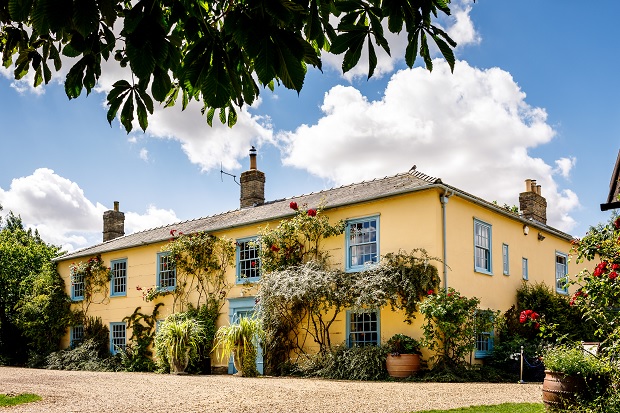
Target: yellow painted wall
<point>407,221</point>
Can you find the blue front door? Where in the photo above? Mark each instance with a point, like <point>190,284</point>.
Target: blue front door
<point>244,307</point>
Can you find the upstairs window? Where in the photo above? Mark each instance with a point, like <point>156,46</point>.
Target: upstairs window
<point>362,238</point>
<point>166,273</point>
<point>248,263</point>
<point>561,273</point>
<point>505,259</point>
<point>482,247</point>
<point>77,286</point>
<point>118,280</point>
<point>524,269</point>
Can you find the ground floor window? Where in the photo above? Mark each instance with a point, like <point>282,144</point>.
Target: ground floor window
<point>362,328</point>
<point>118,337</point>
<point>484,326</point>
<point>77,335</point>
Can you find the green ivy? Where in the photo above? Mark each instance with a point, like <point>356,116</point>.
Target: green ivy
<point>137,356</point>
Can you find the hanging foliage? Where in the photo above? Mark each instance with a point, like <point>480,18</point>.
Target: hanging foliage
<point>95,277</point>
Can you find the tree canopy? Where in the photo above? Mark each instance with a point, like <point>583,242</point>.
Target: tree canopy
<point>217,52</point>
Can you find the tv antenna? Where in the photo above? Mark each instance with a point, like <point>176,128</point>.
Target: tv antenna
<point>222,173</point>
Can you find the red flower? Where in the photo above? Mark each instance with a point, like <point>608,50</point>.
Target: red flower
<point>613,275</point>
<point>449,294</point>
<point>522,317</point>
<point>253,263</point>
<point>293,205</point>
<point>615,266</point>
<point>534,316</point>
<point>430,292</point>
<point>138,288</point>
<point>617,223</point>
<point>528,312</point>
<point>172,231</point>
<point>275,248</point>
<point>312,212</point>
<point>537,326</point>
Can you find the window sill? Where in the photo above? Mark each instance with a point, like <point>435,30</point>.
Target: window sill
<point>482,271</point>
<point>243,281</point>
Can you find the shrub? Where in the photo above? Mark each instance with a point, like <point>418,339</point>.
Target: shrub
<point>84,357</point>
<point>402,344</point>
<point>355,363</point>
<point>176,342</point>
<point>240,339</point>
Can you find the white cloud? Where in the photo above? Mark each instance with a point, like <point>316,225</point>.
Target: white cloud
<point>209,146</point>
<point>565,165</point>
<point>144,154</point>
<point>59,210</point>
<point>472,128</point>
<point>458,25</point>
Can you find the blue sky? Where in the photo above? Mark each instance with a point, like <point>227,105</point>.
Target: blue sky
<point>534,95</point>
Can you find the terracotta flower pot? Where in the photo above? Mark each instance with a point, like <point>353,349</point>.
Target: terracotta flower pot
<point>403,365</point>
<point>560,390</point>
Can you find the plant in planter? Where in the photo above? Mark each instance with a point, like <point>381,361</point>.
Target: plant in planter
<point>403,357</point>
<point>177,341</point>
<point>573,376</point>
<point>240,340</point>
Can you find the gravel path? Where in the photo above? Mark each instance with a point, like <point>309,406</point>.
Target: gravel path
<point>77,391</point>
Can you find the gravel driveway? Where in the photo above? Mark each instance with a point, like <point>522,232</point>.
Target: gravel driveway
<point>78,391</point>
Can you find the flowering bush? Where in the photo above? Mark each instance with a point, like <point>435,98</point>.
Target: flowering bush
<point>450,327</point>
<point>530,318</point>
<point>296,240</point>
<point>94,278</point>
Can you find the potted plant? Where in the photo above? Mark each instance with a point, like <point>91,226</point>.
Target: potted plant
<point>403,357</point>
<point>240,340</point>
<point>177,341</point>
<point>573,375</point>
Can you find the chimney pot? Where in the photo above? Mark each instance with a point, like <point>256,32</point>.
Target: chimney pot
<point>116,204</point>
<point>253,158</point>
<point>528,185</point>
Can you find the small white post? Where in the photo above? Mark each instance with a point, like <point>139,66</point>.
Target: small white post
<point>521,381</point>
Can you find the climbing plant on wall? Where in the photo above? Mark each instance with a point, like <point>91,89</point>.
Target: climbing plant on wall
<point>93,278</point>
<point>201,261</point>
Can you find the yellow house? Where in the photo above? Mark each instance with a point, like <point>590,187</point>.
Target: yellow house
<point>487,250</point>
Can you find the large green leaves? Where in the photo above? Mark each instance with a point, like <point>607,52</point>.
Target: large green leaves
<point>216,52</point>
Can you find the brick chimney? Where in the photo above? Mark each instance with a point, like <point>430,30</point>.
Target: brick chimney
<point>531,203</point>
<point>252,184</point>
<point>113,223</point>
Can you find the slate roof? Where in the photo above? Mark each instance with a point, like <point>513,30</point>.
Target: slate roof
<point>278,209</point>
<point>331,198</point>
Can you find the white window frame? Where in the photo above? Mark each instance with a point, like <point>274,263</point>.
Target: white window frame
<point>353,242</point>
<point>118,278</point>
<point>163,272</point>
<point>483,251</point>
<point>246,253</point>
<point>561,273</point>
<point>505,259</point>
<point>118,337</point>
<point>525,271</point>
<point>363,336</point>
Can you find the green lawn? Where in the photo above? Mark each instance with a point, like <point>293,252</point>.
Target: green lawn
<point>498,408</point>
<point>10,400</point>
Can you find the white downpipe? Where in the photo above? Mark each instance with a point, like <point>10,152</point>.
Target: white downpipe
<point>443,198</point>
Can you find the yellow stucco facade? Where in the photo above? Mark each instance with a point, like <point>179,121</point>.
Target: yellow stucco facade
<point>411,219</point>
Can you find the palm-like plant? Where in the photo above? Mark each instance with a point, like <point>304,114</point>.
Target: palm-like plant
<point>240,340</point>
<point>177,341</point>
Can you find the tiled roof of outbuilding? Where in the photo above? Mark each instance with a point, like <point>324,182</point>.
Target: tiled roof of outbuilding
<point>344,195</point>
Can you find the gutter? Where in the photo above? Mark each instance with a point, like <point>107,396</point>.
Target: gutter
<point>443,198</point>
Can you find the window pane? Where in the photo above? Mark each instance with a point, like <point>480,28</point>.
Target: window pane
<point>363,329</point>
<point>362,243</point>
<point>249,263</point>
<point>167,273</point>
<point>119,277</point>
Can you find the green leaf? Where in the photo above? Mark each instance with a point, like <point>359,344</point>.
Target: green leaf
<point>115,103</point>
<point>372,59</point>
<point>425,53</point>
<point>232,116</point>
<point>38,77</point>
<point>216,89</point>
<point>127,114</point>
<point>73,81</point>
<point>223,116</point>
<point>19,10</point>
<point>146,99</point>
<point>352,56</point>
<point>446,51</point>
<point>142,116</point>
<point>172,96</point>
<point>264,62</point>
<point>291,69</point>
<point>86,17</point>
<point>210,114</point>
<point>108,11</point>
<point>160,88</point>
<point>47,73</point>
